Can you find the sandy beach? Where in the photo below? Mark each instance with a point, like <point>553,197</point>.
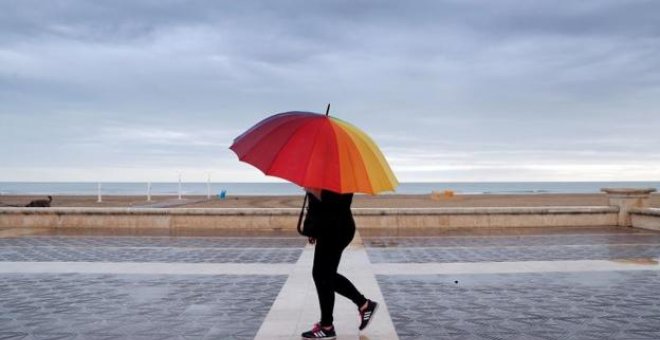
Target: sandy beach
<point>360,201</point>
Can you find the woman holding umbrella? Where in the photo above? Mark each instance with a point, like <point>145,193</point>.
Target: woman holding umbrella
<point>332,159</point>
<point>335,228</point>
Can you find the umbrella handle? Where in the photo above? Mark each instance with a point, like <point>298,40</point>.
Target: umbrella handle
<point>302,212</point>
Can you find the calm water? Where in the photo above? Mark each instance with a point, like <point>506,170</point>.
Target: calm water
<point>87,188</point>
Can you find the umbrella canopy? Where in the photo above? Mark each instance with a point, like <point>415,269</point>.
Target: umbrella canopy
<point>316,151</point>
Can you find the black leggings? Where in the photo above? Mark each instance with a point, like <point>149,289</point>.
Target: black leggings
<point>326,260</point>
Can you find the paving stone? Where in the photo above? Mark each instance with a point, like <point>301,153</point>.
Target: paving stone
<point>523,253</point>
<point>507,241</point>
<point>151,249</point>
<point>545,306</point>
<point>153,242</point>
<point>552,247</point>
<point>166,255</point>
<point>134,306</point>
<point>601,305</point>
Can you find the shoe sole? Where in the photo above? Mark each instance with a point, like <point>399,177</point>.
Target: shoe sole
<point>372,316</point>
<point>328,338</point>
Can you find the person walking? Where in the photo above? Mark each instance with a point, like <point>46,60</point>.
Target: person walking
<point>331,213</point>
<point>333,156</point>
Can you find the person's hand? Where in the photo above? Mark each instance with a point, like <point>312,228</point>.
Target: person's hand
<point>311,240</point>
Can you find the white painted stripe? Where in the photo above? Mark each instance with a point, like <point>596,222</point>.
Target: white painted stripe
<point>296,308</point>
<point>514,267</point>
<point>286,269</point>
<point>282,320</point>
<point>147,268</point>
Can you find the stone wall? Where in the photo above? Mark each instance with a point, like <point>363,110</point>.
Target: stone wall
<point>487,217</point>
<point>648,218</point>
<point>287,218</point>
<point>628,207</point>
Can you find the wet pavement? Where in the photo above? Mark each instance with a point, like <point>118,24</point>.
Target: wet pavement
<point>139,306</point>
<point>576,244</point>
<point>564,283</point>
<point>603,305</point>
<point>152,249</point>
<point>160,254</point>
<point>84,306</point>
<point>517,253</point>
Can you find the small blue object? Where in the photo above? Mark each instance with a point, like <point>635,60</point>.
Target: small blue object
<point>222,194</point>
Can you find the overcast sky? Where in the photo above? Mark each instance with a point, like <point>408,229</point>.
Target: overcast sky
<point>452,90</point>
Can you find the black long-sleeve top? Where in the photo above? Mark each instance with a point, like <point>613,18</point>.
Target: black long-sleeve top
<point>332,212</point>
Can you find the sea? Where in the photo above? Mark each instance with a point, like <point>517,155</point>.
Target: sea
<point>243,189</point>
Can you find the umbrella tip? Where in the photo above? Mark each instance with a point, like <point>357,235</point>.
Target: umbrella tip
<point>327,110</point>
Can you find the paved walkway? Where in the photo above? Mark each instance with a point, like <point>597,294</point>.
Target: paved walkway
<point>589,283</point>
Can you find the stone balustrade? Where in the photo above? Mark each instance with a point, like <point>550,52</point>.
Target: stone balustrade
<point>628,207</point>
<point>648,218</point>
<point>286,218</point>
<point>627,199</point>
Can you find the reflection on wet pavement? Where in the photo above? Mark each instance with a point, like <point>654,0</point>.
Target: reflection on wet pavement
<point>222,247</point>
<point>602,305</point>
<point>540,305</point>
<point>607,244</point>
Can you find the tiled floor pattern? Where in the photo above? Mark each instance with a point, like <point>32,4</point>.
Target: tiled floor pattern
<point>603,305</point>
<point>611,238</point>
<point>554,304</point>
<point>149,288</point>
<point>154,242</point>
<point>158,254</point>
<point>86,306</point>
<point>619,244</point>
<point>179,305</point>
<point>520,253</point>
<point>151,249</point>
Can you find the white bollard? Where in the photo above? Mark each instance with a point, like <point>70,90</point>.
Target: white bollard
<point>179,185</point>
<point>98,193</point>
<point>208,187</point>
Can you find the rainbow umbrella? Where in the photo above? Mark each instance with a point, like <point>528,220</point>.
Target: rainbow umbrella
<point>316,151</point>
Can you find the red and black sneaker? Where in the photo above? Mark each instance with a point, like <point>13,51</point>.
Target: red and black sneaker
<point>367,314</point>
<point>318,332</point>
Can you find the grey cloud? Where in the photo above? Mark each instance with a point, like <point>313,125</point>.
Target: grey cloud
<point>552,77</point>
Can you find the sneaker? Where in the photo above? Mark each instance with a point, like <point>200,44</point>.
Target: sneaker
<point>367,314</point>
<point>317,332</point>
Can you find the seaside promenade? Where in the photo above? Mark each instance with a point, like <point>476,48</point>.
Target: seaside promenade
<point>571,282</point>
<point>566,283</point>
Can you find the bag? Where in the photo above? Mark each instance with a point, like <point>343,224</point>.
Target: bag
<point>310,227</point>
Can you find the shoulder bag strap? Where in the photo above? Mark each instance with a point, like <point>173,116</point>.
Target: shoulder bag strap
<point>302,212</point>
